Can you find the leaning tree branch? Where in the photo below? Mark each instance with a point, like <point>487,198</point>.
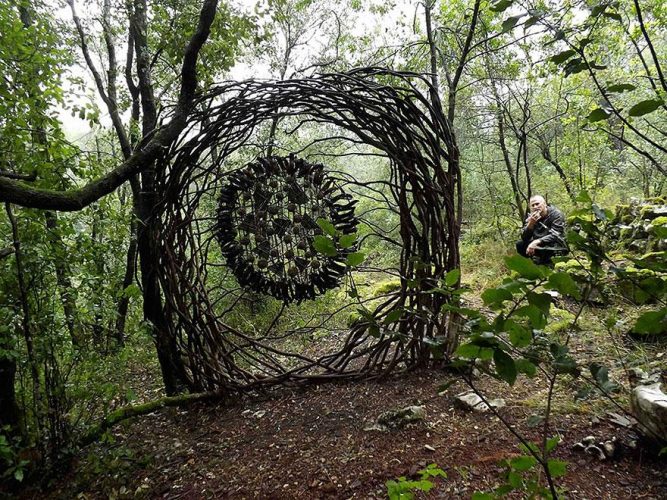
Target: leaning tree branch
<point>654,56</point>
<point>76,199</point>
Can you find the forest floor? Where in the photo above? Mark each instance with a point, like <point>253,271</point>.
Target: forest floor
<point>311,442</point>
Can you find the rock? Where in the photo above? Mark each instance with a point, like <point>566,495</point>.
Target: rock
<point>375,427</point>
<point>651,212</point>
<point>610,448</point>
<point>597,452</point>
<point>618,419</point>
<point>394,419</point>
<point>637,376</point>
<point>588,440</point>
<point>601,450</point>
<point>470,401</point>
<point>649,405</point>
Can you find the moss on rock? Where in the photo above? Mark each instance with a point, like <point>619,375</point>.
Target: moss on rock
<point>384,287</point>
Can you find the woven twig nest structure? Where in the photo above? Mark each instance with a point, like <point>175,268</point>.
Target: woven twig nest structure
<point>222,232</point>
<point>268,215</point>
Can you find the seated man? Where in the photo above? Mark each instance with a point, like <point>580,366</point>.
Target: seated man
<point>543,235</point>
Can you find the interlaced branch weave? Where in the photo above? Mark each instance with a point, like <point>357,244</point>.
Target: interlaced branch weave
<point>203,221</point>
<point>268,216</point>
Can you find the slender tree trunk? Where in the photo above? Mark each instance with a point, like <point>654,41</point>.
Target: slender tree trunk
<point>124,300</point>
<point>100,273</point>
<point>171,366</point>
<point>63,272</point>
<point>546,154</point>
<point>26,321</point>
<point>503,148</point>
<point>173,373</point>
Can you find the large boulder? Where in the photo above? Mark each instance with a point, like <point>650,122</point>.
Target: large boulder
<point>649,405</point>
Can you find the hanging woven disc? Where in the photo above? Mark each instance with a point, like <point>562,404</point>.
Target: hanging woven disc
<point>268,215</point>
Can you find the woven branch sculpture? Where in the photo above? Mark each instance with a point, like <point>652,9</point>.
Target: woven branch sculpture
<point>225,231</point>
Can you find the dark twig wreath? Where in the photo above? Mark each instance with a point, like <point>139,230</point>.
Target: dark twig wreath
<point>268,215</point>
<point>394,116</point>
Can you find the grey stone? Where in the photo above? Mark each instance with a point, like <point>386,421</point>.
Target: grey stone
<point>398,418</point>
<point>649,405</point>
<point>470,401</point>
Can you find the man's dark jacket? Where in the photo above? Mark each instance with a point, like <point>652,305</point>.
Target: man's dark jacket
<point>550,230</point>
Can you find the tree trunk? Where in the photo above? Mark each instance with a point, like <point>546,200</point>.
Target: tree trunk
<point>26,322</point>
<point>124,300</point>
<point>63,280</point>
<point>173,374</point>
<point>546,154</point>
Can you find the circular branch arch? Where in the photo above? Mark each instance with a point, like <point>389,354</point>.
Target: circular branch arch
<point>387,110</point>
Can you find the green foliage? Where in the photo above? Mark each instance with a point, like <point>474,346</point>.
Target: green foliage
<point>402,488</point>
<point>652,323</point>
<point>11,464</point>
<point>523,473</point>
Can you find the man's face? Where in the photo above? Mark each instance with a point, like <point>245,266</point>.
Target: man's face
<point>538,204</point>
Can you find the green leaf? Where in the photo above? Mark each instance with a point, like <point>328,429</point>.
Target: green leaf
<point>530,447</point>
<point>583,197</point>
<point>326,226</point>
<point>557,468</point>
<point>354,259</point>
<point>574,66</point>
<point>651,323</point>
<point>645,107</point>
<point>613,15</point>
<point>563,362</point>
<point>561,57</point>
<point>621,87</point>
<point>525,267</point>
<point>598,9</point>
<point>531,21</point>
<point>563,283</point>
<point>347,240</point>
<point>393,316</point>
<point>520,336</point>
<point>18,474</point>
<point>597,115</point>
<point>540,300</point>
<point>432,470</point>
<point>470,351</point>
<point>325,245</point>
<point>523,463</point>
<point>514,480</point>
<point>496,296</point>
<point>510,23</point>
<point>551,444</point>
<point>452,277</point>
<point>534,315</point>
<point>505,367</point>
<point>479,495</point>
<point>525,366</point>
<point>501,5</point>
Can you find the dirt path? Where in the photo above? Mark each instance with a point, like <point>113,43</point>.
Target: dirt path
<point>311,443</point>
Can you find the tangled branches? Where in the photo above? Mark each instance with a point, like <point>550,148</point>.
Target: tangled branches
<point>382,109</point>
